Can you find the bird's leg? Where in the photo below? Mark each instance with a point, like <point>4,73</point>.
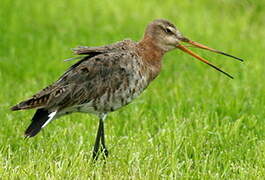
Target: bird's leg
<point>100,137</point>
<point>96,146</point>
<point>103,147</point>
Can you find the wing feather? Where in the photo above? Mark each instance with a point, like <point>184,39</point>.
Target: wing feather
<point>86,80</point>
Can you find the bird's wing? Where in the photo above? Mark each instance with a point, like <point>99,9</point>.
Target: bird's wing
<point>85,50</point>
<point>86,80</point>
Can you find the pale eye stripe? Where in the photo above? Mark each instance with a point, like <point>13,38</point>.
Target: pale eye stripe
<point>171,28</point>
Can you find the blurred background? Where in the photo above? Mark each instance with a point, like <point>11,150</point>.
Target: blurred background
<point>192,121</point>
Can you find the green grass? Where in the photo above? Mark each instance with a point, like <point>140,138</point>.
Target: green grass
<point>191,123</point>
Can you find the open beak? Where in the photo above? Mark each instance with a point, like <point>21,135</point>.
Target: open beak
<point>195,44</point>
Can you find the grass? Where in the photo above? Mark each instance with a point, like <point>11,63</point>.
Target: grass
<point>191,123</point>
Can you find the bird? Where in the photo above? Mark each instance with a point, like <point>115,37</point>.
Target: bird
<point>109,77</point>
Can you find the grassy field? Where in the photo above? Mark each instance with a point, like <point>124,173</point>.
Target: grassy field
<point>191,123</point>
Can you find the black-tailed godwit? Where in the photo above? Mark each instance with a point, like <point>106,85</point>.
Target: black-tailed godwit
<point>108,78</point>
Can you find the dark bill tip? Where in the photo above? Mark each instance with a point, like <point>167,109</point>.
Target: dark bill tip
<point>225,73</point>
<point>220,52</point>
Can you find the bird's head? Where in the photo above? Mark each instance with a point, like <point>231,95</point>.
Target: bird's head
<point>164,34</point>
<point>167,37</point>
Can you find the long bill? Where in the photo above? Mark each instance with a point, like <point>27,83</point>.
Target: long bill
<point>186,40</point>
<point>183,48</point>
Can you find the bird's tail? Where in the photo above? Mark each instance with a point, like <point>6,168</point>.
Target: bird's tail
<point>31,103</point>
<point>40,119</point>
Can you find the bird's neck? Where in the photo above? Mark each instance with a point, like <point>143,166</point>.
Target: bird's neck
<point>149,50</point>
<point>151,54</point>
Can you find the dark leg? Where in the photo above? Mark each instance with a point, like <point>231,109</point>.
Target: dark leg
<point>103,147</point>
<point>100,137</point>
<point>96,146</point>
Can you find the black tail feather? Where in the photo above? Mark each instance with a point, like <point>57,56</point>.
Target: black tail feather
<point>39,118</point>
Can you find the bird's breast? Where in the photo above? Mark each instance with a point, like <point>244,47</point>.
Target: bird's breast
<point>117,98</point>
<point>123,88</point>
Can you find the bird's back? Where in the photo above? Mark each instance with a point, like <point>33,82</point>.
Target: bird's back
<point>103,81</point>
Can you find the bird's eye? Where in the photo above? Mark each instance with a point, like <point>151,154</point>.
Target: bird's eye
<point>167,30</point>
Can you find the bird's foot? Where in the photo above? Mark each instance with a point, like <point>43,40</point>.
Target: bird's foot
<point>96,153</point>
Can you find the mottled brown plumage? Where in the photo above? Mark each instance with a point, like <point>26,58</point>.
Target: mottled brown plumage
<point>106,78</point>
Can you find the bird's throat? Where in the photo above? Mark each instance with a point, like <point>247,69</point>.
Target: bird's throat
<point>149,50</point>
<point>151,55</point>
